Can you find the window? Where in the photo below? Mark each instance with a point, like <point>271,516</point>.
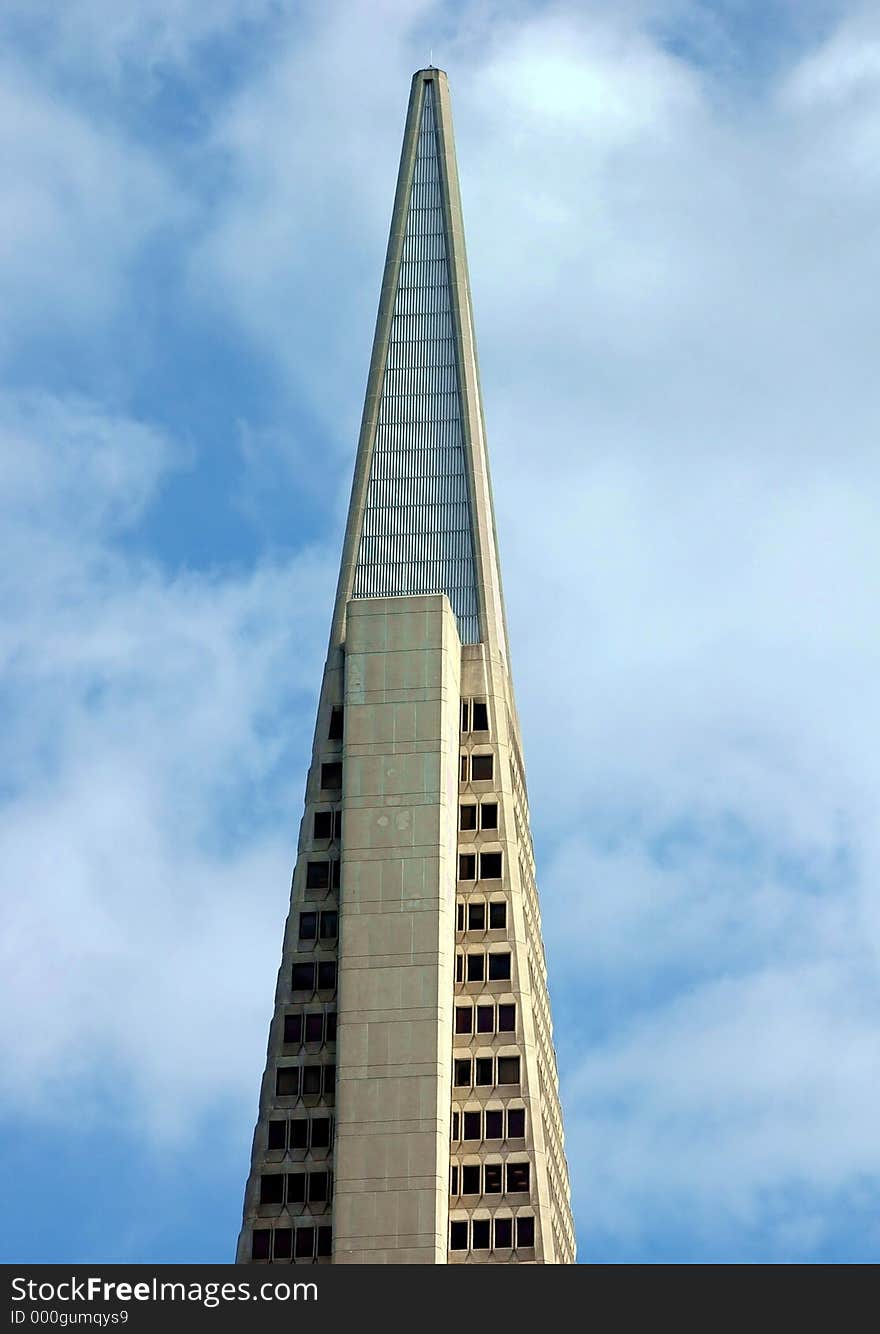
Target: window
<point>525,1232</point>
<point>480,1234</point>
<point>293,1027</point>
<point>494,1125</point>
<point>468,817</point>
<point>308,925</point>
<point>490,865</point>
<point>517,1178</point>
<point>485,1018</point>
<point>272,1188</point>
<point>479,716</point>
<point>482,768</point>
<point>516,1123</point>
<point>503,1233</point>
<point>296,1187</point>
<point>499,967</point>
<point>459,967</point>
<point>331,776</point>
<point>484,1072</point>
<point>493,1179</point>
<point>464,768</point>
<point>465,715</point>
<point>321,1132</point>
<point>330,923</point>
<point>464,1019</point>
<point>323,826</point>
<point>489,815</point>
<point>337,823</point>
<point>314,1027</point>
<point>303,977</point>
<point>287,1081</point>
<point>260,1243</point>
<point>470,1180</point>
<point>476,916</point>
<point>334,731</point>
<point>453,1180</point>
<point>459,917</point>
<point>458,1235</point>
<point>506,1018</point>
<point>305,1243</point>
<point>277,1138</point>
<point>472,1128</point>
<point>325,1241</point>
<point>467,866</point>
<point>335,873</point>
<point>476,967</point>
<point>319,1187</point>
<point>283,1247</point>
<point>317,875</point>
<point>497,916</point>
<point>327,975</point>
<point>311,1080</point>
<point>331,1025</point>
<point>508,1069</point>
<point>329,1080</point>
<point>462,1073</point>
<point>455,1124</point>
<point>299,1133</point>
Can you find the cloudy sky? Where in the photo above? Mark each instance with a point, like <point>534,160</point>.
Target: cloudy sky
<point>673,213</point>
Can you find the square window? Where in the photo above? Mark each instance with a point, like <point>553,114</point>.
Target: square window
<point>497,916</point>
<point>483,1069</point>
<point>479,716</point>
<point>516,1123</point>
<point>314,1027</point>
<point>321,1132</point>
<point>493,1178</point>
<point>327,975</point>
<point>323,827</point>
<point>272,1188</point>
<point>494,1125</point>
<point>482,768</point>
<point>499,967</point>
<point>517,1178</point>
<point>311,1079</point>
<point>458,1235</point>
<point>525,1232</point>
<point>319,1187</point>
<point>470,1180</point>
<point>468,817</point>
<point>467,866</point>
<point>303,977</point>
<point>331,1025</point>
<point>490,865</point>
<point>485,1018</point>
<point>462,1073</point>
<point>308,925</point>
<point>317,875</point>
<point>506,1018</point>
<point>503,1234</point>
<point>455,1125</point>
<point>299,1133</point>
<point>480,1232</point>
<point>476,916</point>
<point>476,967</point>
<point>277,1137</point>
<point>331,777</point>
<point>337,823</point>
<point>287,1081</point>
<point>282,1243</point>
<point>472,1127</point>
<point>508,1069</point>
<point>464,1019</point>
<point>296,1187</point>
<point>489,815</point>
<point>293,1027</point>
<point>334,731</point>
<point>325,1241</point>
<point>330,922</point>
<point>464,768</point>
<point>305,1243</point>
<point>459,967</point>
<point>453,1180</point>
<point>261,1242</point>
<point>459,917</point>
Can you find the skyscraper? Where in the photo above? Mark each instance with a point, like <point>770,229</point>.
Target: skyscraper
<point>409,1111</point>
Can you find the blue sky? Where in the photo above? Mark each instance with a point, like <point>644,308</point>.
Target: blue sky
<point>672,212</point>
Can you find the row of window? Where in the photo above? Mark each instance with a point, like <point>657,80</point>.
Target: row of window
<point>485,1071</point>
<point>319,925</point>
<point>320,976</point>
<point>489,1124</point>
<point>323,874</point>
<point>474,768</point>
<point>476,1234</point>
<point>474,715</point>
<point>492,967</point>
<point>296,1187</point>
<point>327,824</point>
<point>315,1026</point>
<point>478,916</point>
<point>489,1179</point>
<point>294,1081</point>
<point>490,865</point>
<point>278,1243</point>
<point>489,1019</point>
<point>482,816</point>
<point>302,1132</point>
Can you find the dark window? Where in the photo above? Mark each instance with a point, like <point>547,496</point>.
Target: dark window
<point>467,866</point>
<point>470,1180</point>
<point>318,875</point>
<point>459,917</point>
<point>455,1125</point>
<point>490,865</point>
<point>485,1018</point>
<point>493,1178</point>
<point>304,977</point>
<point>480,1234</point>
<point>325,1241</point>
<point>319,1187</point>
<point>308,925</point>
<point>277,1135</point>
<point>323,824</point>
<point>299,1133</point>
<point>453,1180</point>
<point>525,1232</point>
<point>327,975</point>
<point>305,1243</point>
<point>506,1018</point>
<point>489,815</point>
<point>468,817</point>
<point>334,732</point>
<point>331,776</point>
<point>503,1233</point>
<point>462,1073</point>
<point>314,1027</point>
<point>296,1187</point>
<point>497,916</point>
<point>329,1079</point>
<point>272,1188</point>
<point>287,1081</point>
<point>283,1247</point>
<point>516,1123</point>
<point>479,716</point>
<point>335,873</point>
<point>517,1178</point>
<point>337,823</point>
<point>261,1242</point>
<point>476,967</point>
<point>321,1132</point>
<point>464,768</point>
<point>330,922</point>
<point>331,1025</point>
<point>482,768</point>
<point>459,967</point>
<point>293,1027</point>
<point>508,1069</point>
<point>499,967</point>
<point>311,1081</point>
<point>476,916</point>
<point>465,711</point>
<point>458,1236</point>
<point>464,1019</point>
<point>472,1127</point>
<point>495,1125</point>
<point>484,1071</point>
